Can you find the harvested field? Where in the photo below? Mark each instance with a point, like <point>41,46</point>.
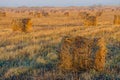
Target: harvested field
<point>58,39</point>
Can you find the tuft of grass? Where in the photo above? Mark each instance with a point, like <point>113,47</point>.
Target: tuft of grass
<point>16,71</point>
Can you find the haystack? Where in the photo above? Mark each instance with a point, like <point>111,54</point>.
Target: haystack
<point>66,14</point>
<point>90,21</point>
<point>99,13</point>
<point>117,19</point>
<point>45,14</point>
<point>38,15</point>
<point>22,24</point>
<point>80,53</point>
<point>31,13</point>
<point>106,19</point>
<point>83,15</point>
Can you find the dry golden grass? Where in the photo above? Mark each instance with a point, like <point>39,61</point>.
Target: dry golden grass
<point>40,46</point>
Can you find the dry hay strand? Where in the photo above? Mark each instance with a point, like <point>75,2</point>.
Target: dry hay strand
<point>117,19</point>
<point>80,53</point>
<point>66,14</point>
<point>90,21</point>
<point>22,24</point>
<point>2,14</point>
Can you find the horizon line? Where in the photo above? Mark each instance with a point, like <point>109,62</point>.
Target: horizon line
<point>99,5</point>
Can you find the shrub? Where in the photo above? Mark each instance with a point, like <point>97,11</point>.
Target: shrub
<point>80,53</point>
<point>22,24</point>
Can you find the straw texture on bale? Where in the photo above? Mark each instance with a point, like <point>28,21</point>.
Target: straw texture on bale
<point>80,53</point>
<point>117,19</point>
<point>90,21</point>
<point>22,24</point>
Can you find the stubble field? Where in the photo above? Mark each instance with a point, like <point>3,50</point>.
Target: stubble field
<point>35,55</point>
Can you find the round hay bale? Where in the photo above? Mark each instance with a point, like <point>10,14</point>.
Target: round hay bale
<point>81,54</point>
<point>45,14</point>
<point>22,24</point>
<point>31,13</point>
<point>90,21</point>
<point>38,15</point>
<point>66,14</point>
<point>117,19</point>
<point>99,13</point>
<point>83,15</point>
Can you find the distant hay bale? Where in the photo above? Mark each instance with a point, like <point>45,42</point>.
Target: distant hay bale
<point>45,14</point>
<point>99,13</point>
<point>31,13</point>
<point>80,53</point>
<point>105,19</point>
<point>66,14</point>
<point>38,15</point>
<point>117,19</point>
<point>83,15</point>
<point>90,21</point>
<point>2,14</point>
<point>22,24</point>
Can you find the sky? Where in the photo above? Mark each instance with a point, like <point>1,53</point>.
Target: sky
<point>17,3</point>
